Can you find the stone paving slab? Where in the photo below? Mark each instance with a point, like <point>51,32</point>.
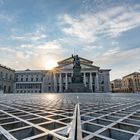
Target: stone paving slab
<point>86,116</point>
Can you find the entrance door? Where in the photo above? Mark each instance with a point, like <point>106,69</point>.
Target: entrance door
<point>4,89</point>
<point>93,88</point>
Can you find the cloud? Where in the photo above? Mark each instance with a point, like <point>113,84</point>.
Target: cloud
<point>52,45</point>
<point>36,35</point>
<point>6,17</point>
<point>78,27</point>
<point>112,51</point>
<point>31,56</point>
<point>4,49</point>
<point>117,57</point>
<point>31,36</point>
<point>111,22</point>
<point>121,63</point>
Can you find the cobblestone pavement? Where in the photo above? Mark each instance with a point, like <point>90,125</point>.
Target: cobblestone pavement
<point>70,116</point>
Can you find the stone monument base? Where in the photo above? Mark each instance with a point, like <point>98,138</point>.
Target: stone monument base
<point>77,87</point>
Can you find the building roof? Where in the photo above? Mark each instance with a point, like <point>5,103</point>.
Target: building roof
<point>116,80</point>
<point>83,61</point>
<point>30,71</point>
<point>105,70</point>
<point>134,73</point>
<point>2,66</point>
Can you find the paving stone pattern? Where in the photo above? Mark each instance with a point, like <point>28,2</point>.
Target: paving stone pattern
<point>70,116</point>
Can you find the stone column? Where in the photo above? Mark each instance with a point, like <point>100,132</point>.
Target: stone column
<point>91,80</point>
<point>60,82</point>
<point>97,82</point>
<point>85,79</point>
<point>134,85</point>
<point>43,82</point>
<point>55,83</point>
<point>66,81</point>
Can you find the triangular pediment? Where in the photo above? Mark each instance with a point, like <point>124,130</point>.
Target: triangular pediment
<point>67,64</point>
<point>83,66</point>
<point>70,60</point>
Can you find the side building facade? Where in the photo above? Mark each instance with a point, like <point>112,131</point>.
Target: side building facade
<point>6,79</point>
<point>56,80</point>
<point>29,81</point>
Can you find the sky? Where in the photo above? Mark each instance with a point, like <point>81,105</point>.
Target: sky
<point>33,32</point>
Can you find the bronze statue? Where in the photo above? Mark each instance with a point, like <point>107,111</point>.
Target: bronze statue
<point>76,61</point>
<point>77,76</point>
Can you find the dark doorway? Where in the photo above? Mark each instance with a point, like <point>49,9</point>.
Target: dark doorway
<point>57,88</point>
<point>63,88</point>
<point>93,88</point>
<point>4,89</point>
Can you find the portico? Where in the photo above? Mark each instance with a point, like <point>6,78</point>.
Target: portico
<point>64,79</point>
<point>59,79</point>
<point>96,79</point>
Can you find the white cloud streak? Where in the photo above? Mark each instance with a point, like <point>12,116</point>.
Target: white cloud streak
<point>121,63</point>
<point>5,17</point>
<point>37,35</point>
<point>112,51</point>
<point>112,22</point>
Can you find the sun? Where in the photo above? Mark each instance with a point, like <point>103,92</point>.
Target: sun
<point>50,64</point>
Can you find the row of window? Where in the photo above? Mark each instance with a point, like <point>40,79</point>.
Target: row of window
<point>29,79</point>
<point>28,91</point>
<point>6,89</point>
<point>130,82</point>
<point>136,75</point>
<point>130,90</point>
<point>6,76</point>
<point>70,74</point>
<point>137,82</point>
<point>28,86</point>
<point>27,75</point>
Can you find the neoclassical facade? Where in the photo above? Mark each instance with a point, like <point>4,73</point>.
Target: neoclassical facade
<point>6,79</point>
<point>131,82</point>
<point>58,79</point>
<point>29,81</point>
<point>116,85</point>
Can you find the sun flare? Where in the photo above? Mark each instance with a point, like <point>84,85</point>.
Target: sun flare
<point>50,64</point>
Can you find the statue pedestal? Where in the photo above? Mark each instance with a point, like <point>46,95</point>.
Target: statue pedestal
<point>77,87</point>
<point>77,84</point>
